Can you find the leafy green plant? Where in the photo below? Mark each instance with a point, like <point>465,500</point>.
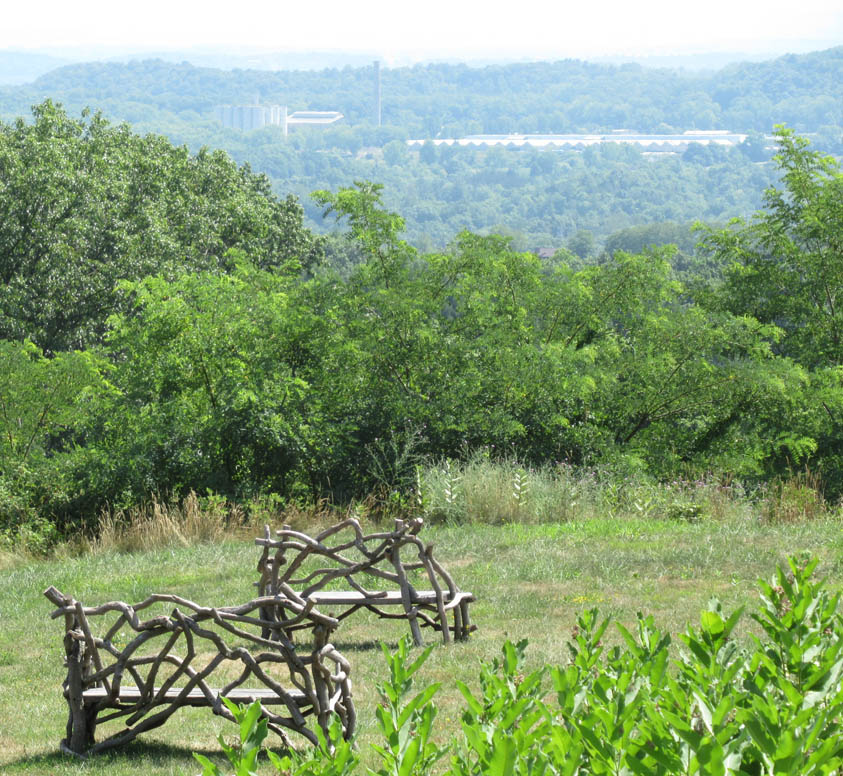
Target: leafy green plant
<point>243,755</point>
<point>508,729</point>
<point>769,710</point>
<point>796,697</point>
<point>406,725</point>
<point>333,756</point>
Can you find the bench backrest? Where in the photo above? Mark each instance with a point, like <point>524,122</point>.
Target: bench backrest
<point>348,559</point>
<point>343,557</point>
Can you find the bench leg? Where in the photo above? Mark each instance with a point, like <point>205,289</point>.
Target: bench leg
<point>81,719</point>
<point>465,622</point>
<point>320,685</point>
<point>81,724</point>
<point>458,625</point>
<point>406,597</point>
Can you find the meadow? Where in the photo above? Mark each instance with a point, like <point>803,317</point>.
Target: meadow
<point>661,550</point>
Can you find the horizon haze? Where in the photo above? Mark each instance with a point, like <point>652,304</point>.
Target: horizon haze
<point>466,31</point>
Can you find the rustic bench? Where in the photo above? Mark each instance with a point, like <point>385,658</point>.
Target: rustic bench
<point>143,671</point>
<point>302,567</point>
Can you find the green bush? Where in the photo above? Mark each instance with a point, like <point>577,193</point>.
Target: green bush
<point>716,708</point>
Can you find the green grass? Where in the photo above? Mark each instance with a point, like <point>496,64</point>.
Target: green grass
<point>531,580</point>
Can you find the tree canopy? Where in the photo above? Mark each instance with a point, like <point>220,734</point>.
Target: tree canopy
<point>84,205</point>
<point>214,362</point>
<point>544,197</point>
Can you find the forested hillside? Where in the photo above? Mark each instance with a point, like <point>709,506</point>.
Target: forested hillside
<point>543,198</point>
<point>168,324</point>
<point>569,96</point>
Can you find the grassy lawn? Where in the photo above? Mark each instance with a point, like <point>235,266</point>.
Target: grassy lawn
<point>531,581</point>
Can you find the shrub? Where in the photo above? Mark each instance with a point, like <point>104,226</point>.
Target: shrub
<point>774,708</point>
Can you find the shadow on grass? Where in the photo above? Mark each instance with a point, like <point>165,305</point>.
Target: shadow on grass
<point>370,645</point>
<point>131,757</point>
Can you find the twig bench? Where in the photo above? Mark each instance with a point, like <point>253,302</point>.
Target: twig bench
<point>286,568</point>
<point>172,658</point>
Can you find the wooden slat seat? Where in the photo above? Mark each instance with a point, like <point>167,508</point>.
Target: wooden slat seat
<point>195,697</point>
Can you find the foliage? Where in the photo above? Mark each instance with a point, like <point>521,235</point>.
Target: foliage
<point>243,756</point>
<point>772,709</point>
<point>45,407</point>
<point>481,346</point>
<point>507,730</point>
<point>545,196</point>
<point>207,399</point>
<point>84,205</point>
<point>333,756</point>
<point>246,373</point>
<point>545,199</point>
<point>406,725</point>
<point>785,267</point>
<point>565,96</point>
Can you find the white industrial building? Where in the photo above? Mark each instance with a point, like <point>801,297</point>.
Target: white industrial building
<point>248,117</point>
<point>515,140</point>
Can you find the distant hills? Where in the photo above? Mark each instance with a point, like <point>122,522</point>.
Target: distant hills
<point>547,197</point>
<point>20,67</point>
<point>805,91</point>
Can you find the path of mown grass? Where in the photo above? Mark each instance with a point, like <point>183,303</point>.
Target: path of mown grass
<point>530,581</point>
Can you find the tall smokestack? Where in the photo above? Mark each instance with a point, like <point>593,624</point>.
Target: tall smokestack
<point>377,92</point>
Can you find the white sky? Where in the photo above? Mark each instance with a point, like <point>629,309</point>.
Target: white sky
<point>456,28</point>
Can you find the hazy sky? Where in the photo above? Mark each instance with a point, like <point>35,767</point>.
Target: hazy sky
<point>461,28</point>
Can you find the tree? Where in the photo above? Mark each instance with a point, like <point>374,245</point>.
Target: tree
<point>375,229</point>
<point>755,147</point>
<point>785,266</point>
<point>395,153</point>
<point>45,407</point>
<point>84,205</point>
<point>213,392</point>
<point>483,345</point>
<point>581,244</point>
<point>428,153</point>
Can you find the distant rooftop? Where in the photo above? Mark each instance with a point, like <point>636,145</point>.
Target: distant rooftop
<point>516,140</point>
<point>314,117</point>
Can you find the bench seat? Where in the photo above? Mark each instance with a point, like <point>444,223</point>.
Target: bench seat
<point>132,694</point>
<point>391,597</point>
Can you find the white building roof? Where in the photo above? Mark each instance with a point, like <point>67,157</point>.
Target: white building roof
<point>705,137</point>
<point>314,117</point>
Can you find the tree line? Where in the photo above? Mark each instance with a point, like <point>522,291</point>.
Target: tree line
<point>168,324</point>
<point>456,99</point>
<point>542,198</point>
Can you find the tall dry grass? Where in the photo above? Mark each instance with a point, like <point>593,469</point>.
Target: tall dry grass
<point>499,492</point>
<point>195,519</point>
<point>476,491</point>
<point>158,524</point>
<point>796,498</point>
<point>479,490</point>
